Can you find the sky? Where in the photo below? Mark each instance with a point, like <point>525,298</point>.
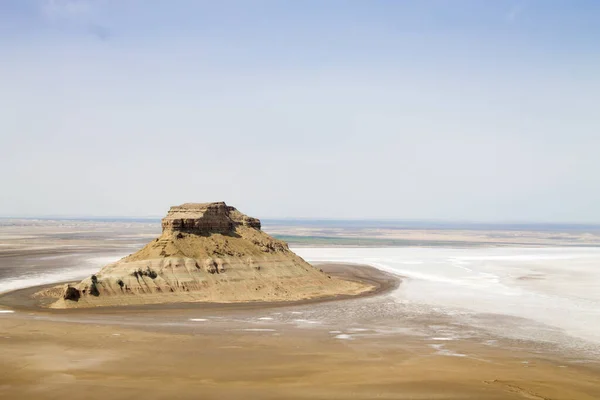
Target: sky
<point>422,110</point>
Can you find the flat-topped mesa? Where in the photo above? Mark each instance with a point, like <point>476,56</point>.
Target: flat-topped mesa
<point>206,218</point>
<point>208,252</point>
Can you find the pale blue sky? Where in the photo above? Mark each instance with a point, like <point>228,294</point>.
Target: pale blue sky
<point>454,110</point>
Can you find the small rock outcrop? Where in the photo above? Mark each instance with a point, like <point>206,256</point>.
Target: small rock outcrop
<point>206,252</point>
<point>71,293</point>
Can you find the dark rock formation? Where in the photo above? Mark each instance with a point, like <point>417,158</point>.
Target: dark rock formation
<point>71,293</point>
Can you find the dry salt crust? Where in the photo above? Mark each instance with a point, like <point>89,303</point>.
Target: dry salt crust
<point>446,281</point>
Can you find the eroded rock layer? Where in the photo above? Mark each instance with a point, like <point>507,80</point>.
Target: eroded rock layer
<point>207,252</point>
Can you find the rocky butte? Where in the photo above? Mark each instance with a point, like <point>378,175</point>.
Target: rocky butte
<point>207,252</point>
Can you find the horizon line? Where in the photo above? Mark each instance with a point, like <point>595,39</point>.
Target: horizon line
<point>323,219</point>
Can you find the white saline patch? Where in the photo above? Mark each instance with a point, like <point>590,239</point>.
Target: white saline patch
<point>266,319</point>
<point>441,351</point>
<point>6,311</point>
<point>198,319</point>
<point>258,330</point>
<point>462,282</point>
<point>344,336</point>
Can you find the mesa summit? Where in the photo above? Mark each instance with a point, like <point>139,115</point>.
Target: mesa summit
<point>207,252</point>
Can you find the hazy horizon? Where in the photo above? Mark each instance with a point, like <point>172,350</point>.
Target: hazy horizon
<point>334,222</point>
<point>424,111</point>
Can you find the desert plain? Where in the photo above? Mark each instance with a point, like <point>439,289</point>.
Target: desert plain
<point>375,345</point>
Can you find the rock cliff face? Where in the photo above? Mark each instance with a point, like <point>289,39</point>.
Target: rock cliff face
<point>206,218</point>
<point>207,252</point>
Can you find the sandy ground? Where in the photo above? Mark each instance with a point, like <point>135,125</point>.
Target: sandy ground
<point>47,360</point>
<point>312,349</point>
<point>93,354</point>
